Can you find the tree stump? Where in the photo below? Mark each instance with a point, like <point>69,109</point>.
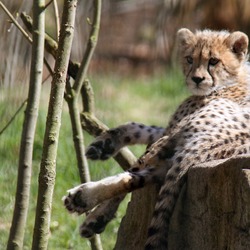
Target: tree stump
<point>133,229</point>
<point>212,211</point>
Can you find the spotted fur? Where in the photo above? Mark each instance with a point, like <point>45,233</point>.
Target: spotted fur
<point>214,123</point>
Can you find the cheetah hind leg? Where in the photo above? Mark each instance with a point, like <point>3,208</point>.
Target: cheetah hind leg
<point>85,197</point>
<point>97,219</point>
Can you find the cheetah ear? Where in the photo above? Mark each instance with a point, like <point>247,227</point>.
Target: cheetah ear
<point>185,38</point>
<point>238,43</point>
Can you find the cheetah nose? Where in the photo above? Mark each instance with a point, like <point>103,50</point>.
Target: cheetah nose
<point>197,79</point>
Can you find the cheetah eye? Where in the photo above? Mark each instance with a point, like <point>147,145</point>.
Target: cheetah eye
<point>213,61</point>
<point>189,59</point>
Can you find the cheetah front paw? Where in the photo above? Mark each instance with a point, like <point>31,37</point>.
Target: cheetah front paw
<point>81,198</point>
<point>104,146</point>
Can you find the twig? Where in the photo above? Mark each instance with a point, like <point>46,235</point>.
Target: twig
<point>48,4</point>
<point>88,101</point>
<point>90,47</point>
<point>13,117</point>
<point>48,66</point>
<point>57,19</point>
<point>50,45</point>
<point>18,110</point>
<point>56,12</point>
<point>25,34</point>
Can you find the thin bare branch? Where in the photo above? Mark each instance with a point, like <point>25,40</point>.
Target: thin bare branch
<point>13,117</point>
<point>28,24</point>
<point>48,4</point>
<point>87,93</point>
<point>51,45</point>
<point>25,34</point>
<point>90,47</point>
<point>57,18</point>
<point>18,111</point>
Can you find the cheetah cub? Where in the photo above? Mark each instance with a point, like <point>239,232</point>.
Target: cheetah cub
<point>214,123</point>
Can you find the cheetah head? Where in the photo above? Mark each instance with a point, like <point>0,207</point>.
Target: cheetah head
<point>211,59</point>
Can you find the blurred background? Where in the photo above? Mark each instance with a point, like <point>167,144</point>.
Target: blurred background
<point>135,77</point>
<point>135,35</point>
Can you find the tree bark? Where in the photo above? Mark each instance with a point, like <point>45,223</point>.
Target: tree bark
<point>48,163</point>
<point>212,211</point>
<point>134,226</point>
<point>16,236</point>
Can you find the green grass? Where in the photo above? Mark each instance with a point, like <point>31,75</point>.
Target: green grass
<point>149,100</point>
